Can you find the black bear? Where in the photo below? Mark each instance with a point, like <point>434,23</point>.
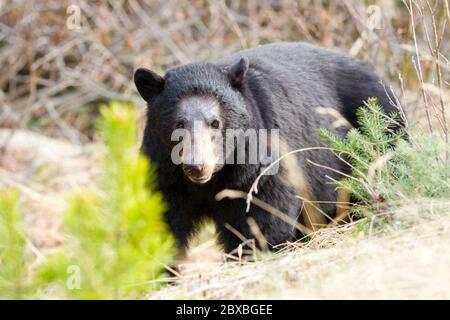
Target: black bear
<point>291,89</point>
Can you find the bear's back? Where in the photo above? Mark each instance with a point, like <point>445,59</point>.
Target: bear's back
<point>313,77</point>
<point>303,88</point>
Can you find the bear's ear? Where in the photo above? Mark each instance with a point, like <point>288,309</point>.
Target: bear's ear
<point>237,71</point>
<point>148,83</point>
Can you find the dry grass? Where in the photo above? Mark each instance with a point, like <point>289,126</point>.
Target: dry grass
<point>338,263</point>
<point>52,78</point>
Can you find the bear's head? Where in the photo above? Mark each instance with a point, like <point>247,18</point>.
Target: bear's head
<point>191,108</point>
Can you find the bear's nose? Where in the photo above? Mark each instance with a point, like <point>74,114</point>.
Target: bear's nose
<point>193,169</point>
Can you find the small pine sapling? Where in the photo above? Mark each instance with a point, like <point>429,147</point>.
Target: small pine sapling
<point>117,240</point>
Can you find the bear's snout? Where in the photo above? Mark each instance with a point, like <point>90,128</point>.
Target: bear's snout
<point>194,170</point>
<point>197,173</point>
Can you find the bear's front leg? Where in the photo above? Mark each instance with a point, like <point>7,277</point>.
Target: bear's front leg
<point>234,225</point>
<point>182,224</point>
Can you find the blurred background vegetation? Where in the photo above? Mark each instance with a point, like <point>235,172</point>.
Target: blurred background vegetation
<point>53,78</point>
<point>56,72</point>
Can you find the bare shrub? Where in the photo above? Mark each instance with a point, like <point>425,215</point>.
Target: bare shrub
<point>53,77</point>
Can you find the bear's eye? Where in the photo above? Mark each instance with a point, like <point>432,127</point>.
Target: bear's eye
<point>180,125</point>
<point>215,124</point>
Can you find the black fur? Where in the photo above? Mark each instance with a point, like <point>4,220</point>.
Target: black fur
<point>272,86</point>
